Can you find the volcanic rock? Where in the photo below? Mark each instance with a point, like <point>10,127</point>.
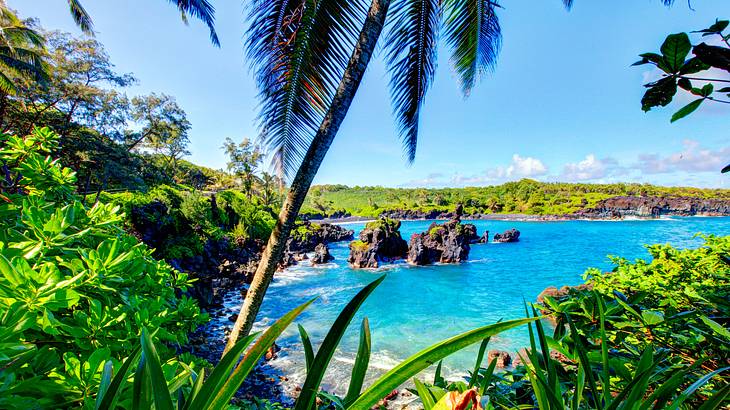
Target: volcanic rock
<point>512,235</point>
<point>379,242</point>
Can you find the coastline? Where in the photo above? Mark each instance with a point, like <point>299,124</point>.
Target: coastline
<point>514,218</point>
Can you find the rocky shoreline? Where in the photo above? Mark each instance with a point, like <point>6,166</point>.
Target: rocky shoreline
<point>616,208</point>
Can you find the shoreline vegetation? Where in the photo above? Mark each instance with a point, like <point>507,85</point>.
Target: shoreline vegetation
<point>114,250</point>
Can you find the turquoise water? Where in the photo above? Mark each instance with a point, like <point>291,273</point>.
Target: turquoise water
<point>417,306</point>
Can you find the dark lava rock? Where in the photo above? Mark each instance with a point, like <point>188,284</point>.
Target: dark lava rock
<point>379,242</point>
<point>306,236</point>
<point>447,243</point>
<point>322,255</point>
<point>271,353</point>
<point>484,238</point>
<point>561,293</point>
<point>503,358</point>
<point>512,235</point>
<point>470,231</point>
<point>653,207</point>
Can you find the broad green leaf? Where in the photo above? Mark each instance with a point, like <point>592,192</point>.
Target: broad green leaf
<point>687,109</point>
<point>716,327</point>
<point>427,357</point>
<point>307,345</point>
<point>360,367</point>
<point>306,398</point>
<point>676,404</point>
<point>424,394</point>
<point>675,50</point>
<point>652,317</point>
<point>478,364</point>
<point>219,375</point>
<point>110,396</point>
<point>161,395</point>
<point>252,357</point>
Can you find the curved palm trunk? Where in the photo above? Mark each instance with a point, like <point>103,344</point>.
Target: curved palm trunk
<point>372,27</point>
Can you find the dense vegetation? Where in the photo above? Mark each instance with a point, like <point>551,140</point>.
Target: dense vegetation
<point>525,196</point>
<point>75,289</point>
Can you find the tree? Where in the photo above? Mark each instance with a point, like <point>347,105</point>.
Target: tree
<point>80,90</point>
<point>164,128</point>
<point>310,57</point>
<point>200,9</point>
<point>244,160</point>
<point>21,52</point>
<point>271,188</point>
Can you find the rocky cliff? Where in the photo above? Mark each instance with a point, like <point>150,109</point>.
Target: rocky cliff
<point>653,207</point>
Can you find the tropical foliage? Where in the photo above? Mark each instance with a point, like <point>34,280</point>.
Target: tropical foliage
<point>696,75</point>
<point>75,289</point>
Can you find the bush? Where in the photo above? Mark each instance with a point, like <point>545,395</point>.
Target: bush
<point>75,289</point>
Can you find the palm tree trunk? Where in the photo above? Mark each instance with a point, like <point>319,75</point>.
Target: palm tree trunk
<point>372,27</point>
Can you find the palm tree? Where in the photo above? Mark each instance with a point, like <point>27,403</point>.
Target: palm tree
<point>21,52</point>
<point>200,9</point>
<point>309,58</point>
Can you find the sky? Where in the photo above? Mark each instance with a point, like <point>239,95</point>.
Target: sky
<point>563,103</point>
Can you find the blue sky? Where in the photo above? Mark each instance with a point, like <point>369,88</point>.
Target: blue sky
<point>562,105</point>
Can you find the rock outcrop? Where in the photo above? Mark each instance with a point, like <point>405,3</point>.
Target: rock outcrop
<point>484,238</point>
<point>503,358</point>
<point>512,235</point>
<point>379,242</point>
<point>321,255</point>
<point>307,236</point>
<point>447,243</point>
<point>653,207</point>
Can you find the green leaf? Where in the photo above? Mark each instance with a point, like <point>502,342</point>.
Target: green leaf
<point>161,395</point>
<point>306,398</point>
<point>694,386</point>
<point>716,327</point>
<point>478,364</point>
<point>692,66</point>
<point>111,394</point>
<point>685,111</point>
<point>220,374</point>
<point>707,89</point>
<point>675,50</point>
<point>717,399</point>
<point>427,357</point>
<point>308,350</point>
<point>652,317</point>
<point>252,357</point>
<point>685,84</point>
<point>424,394</point>
<point>361,363</point>
<point>659,93</point>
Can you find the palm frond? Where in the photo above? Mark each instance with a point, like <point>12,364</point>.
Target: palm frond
<point>411,57</point>
<point>203,11</point>
<point>81,17</point>
<point>475,37</point>
<point>298,50</point>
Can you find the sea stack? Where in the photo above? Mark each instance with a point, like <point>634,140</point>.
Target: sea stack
<point>379,242</point>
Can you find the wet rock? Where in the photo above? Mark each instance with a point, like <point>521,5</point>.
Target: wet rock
<point>322,255</point>
<point>484,238</point>
<point>233,317</point>
<point>561,293</point>
<point>470,231</point>
<point>447,243</point>
<point>271,353</point>
<point>512,235</point>
<point>379,242</point>
<point>306,236</point>
<point>503,358</point>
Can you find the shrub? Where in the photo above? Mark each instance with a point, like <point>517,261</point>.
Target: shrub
<point>75,289</point>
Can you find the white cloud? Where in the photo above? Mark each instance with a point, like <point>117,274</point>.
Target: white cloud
<point>693,158</point>
<point>527,167</point>
<point>591,168</point>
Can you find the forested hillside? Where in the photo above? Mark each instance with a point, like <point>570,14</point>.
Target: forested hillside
<point>521,197</point>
